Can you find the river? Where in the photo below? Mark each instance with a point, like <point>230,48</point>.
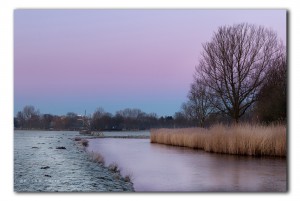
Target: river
<point>163,168</point>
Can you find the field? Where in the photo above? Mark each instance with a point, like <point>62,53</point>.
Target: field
<point>243,139</point>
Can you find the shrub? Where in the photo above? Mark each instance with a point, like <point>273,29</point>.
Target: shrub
<point>128,178</point>
<point>98,158</point>
<point>114,167</point>
<point>84,142</point>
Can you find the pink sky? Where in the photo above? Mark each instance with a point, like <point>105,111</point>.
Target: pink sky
<point>77,60</point>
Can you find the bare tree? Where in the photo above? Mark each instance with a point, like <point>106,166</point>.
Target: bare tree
<point>234,65</point>
<point>21,119</point>
<point>199,105</point>
<point>28,112</point>
<point>100,119</point>
<point>31,116</point>
<point>272,98</point>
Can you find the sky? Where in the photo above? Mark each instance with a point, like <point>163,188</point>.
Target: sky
<point>79,60</point>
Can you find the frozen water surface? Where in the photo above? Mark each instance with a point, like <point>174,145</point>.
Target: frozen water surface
<point>40,166</point>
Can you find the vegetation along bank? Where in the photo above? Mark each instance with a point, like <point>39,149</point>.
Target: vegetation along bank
<point>242,139</point>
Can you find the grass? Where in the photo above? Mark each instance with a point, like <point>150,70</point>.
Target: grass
<point>113,167</point>
<point>242,139</point>
<point>98,158</point>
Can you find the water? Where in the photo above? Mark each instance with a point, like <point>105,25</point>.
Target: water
<point>156,167</point>
<point>126,133</point>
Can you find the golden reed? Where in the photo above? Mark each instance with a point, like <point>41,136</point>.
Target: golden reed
<point>243,139</point>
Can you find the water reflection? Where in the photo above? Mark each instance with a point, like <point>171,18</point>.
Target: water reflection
<point>156,167</point>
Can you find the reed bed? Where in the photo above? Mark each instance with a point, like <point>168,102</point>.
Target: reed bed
<point>243,139</point>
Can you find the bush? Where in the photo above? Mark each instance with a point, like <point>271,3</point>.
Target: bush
<point>128,178</point>
<point>84,142</point>
<point>98,158</point>
<point>114,167</point>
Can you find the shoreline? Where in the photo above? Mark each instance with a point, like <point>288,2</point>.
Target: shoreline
<point>97,158</point>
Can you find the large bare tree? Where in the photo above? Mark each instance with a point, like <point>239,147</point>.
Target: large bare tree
<point>234,65</point>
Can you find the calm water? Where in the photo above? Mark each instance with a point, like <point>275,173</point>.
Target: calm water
<point>156,167</point>
<point>126,133</point>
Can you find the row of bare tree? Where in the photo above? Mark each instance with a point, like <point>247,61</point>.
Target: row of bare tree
<point>242,70</point>
<point>127,119</point>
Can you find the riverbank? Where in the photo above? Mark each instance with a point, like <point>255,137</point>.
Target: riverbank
<point>163,168</point>
<point>243,139</point>
<point>51,161</point>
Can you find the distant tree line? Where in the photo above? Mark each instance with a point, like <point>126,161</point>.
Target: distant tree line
<point>100,120</point>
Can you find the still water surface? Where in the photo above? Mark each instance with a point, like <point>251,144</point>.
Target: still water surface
<point>156,167</point>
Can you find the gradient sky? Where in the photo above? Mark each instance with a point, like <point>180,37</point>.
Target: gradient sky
<point>77,60</point>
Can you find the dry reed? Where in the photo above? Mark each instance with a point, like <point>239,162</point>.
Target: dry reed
<point>97,158</point>
<point>243,139</point>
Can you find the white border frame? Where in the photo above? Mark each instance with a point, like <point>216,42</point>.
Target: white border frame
<point>6,92</point>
